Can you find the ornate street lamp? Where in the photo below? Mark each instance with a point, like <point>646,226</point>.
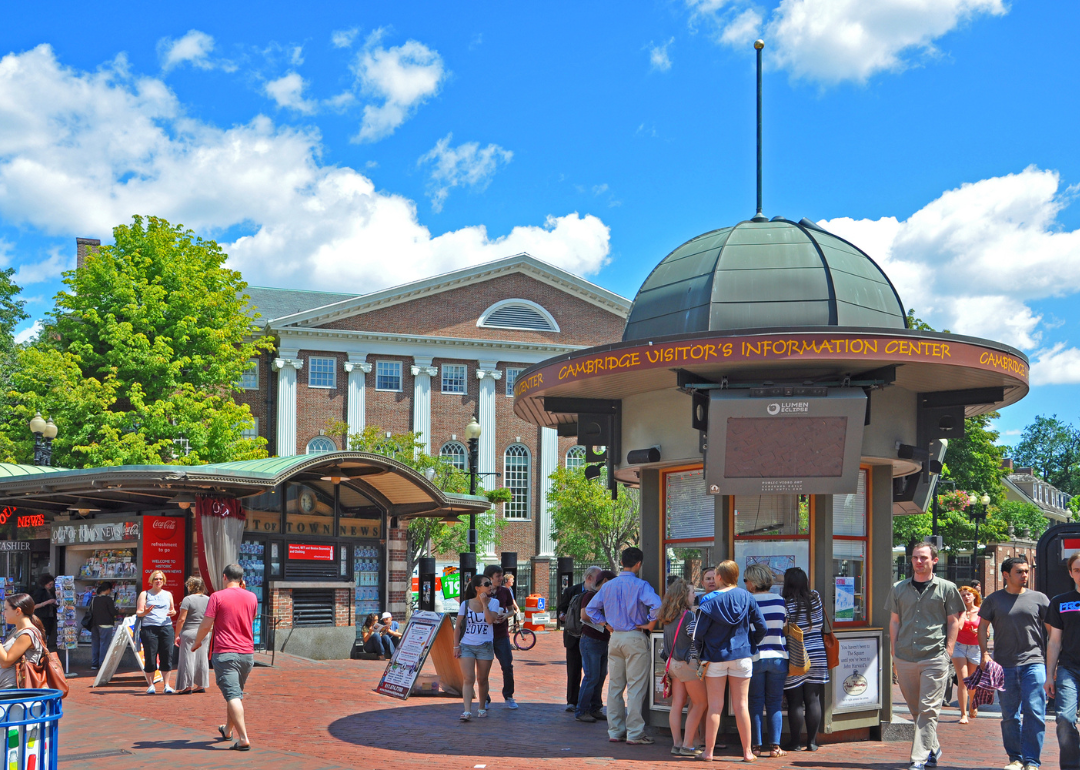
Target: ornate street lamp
<point>472,434</point>
<point>977,515</point>
<point>44,433</point>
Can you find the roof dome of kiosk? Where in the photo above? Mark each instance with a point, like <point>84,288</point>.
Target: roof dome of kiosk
<point>765,274</point>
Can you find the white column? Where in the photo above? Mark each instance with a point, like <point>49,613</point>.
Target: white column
<point>486,461</point>
<point>422,372</point>
<point>287,367</point>
<point>357,369</point>
<point>549,461</point>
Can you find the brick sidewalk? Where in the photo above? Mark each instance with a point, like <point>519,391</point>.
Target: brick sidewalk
<point>306,716</point>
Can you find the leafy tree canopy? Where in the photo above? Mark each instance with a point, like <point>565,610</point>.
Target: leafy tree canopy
<point>586,522</point>
<point>139,360</point>
<point>1052,448</point>
<point>973,462</point>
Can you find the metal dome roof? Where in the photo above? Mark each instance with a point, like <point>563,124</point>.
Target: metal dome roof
<point>759,275</point>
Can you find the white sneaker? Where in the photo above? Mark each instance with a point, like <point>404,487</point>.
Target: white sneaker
<point>170,691</point>
<point>511,703</point>
<point>1016,764</point>
<point>1031,767</point>
<point>150,690</point>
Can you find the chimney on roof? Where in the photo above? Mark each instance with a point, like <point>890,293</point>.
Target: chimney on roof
<point>83,246</point>
<point>1007,465</point>
<point>1026,471</point>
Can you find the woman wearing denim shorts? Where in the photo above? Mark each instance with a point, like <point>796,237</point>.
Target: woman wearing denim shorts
<point>966,655</point>
<point>475,645</point>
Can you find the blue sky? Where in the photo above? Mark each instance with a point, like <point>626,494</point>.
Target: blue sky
<point>351,146</point>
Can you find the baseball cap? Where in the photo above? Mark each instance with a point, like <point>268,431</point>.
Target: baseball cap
<point>387,615</point>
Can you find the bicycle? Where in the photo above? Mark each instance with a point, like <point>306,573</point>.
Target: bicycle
<point>524,638</point>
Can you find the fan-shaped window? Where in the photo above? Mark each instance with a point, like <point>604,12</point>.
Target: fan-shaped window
<point>455,454</point>
<point>516,473</point>
<point>575,458</point>
<point>321,444</point>
<point>518,314</point>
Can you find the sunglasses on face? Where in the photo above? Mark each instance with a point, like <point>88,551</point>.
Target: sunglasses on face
<point>485,585</point>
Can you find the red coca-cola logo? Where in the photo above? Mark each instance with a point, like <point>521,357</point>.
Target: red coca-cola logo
<point>164,526</point>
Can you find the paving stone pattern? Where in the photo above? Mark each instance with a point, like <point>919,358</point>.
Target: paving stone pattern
<point>306,715</point>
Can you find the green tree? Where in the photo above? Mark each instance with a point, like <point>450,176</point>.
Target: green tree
<point>1052,448</point>
<point>586,523</point>
<point>139,360</point>
<point>12,312</point>
<point>974,460</point>
<point>1020,515</point>
<point>427,534</point>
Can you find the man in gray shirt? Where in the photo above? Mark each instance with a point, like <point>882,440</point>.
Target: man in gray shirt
<point>1017,615</point>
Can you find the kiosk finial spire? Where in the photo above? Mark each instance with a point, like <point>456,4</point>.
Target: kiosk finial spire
<point>759,217</point>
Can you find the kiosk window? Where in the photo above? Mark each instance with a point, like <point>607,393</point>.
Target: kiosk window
<point>309,510</point>
<point>850,547</point>
<point>689,522</point>
<point>773,530</point>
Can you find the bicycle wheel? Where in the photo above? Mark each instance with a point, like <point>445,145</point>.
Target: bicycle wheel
<point>524,639</point>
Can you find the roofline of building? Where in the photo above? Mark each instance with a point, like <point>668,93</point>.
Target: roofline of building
<point>1058,514</point>
<point>289,336</point>
<point>518,263</point>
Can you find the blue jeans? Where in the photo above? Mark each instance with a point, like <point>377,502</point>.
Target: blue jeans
<point>100,639</point>
<point>1024,693</point>
<point>505,653</point>
<point>594,665</point>
<point>767,691</point>
<point>1066,687</point>
<point>379,645</point>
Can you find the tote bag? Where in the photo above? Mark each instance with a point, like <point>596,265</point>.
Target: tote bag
<point>832,644</point>
<point>798,660</point>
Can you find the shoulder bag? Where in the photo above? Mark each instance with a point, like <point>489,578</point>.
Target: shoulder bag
<point>798,660</point>
<point>87,621</point>
<point>832,644</point>
<point>670,655</point>
<point>48,674</point>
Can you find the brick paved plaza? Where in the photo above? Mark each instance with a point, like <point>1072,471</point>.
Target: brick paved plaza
<point>306,715</point>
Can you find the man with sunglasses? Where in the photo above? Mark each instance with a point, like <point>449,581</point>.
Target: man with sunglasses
<point>503,649</point>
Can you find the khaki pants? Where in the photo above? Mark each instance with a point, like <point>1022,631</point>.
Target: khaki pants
<point>923,686</point>
<point>628,668</point>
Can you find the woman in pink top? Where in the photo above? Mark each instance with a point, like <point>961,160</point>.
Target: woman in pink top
<point>966,655</point>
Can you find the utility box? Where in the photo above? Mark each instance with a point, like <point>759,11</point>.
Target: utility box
<point>1051,556</point>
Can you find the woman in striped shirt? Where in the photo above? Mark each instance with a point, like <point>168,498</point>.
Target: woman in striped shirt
<point>770,664</point>
<point>805,692</point>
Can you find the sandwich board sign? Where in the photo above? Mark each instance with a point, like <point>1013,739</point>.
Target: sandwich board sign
<point>123,639</point>
<point>427,633</point>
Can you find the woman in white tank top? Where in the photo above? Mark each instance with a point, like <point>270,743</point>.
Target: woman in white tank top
<point>475,645</point>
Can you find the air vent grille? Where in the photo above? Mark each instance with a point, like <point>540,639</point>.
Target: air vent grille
<point>519,317</point>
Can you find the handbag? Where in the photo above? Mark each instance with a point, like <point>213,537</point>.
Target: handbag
<point>671,654</point>
<point>48,674</point>
<point>832,644</point>
<point>87,621</point>
<point>798,660</point>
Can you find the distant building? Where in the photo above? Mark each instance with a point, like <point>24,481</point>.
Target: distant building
<point>1021,484</point>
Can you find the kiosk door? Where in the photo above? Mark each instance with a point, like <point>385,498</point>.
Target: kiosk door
<point>1051,555</point>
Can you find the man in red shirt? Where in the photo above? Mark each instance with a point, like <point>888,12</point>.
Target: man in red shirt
<point>230,614</point>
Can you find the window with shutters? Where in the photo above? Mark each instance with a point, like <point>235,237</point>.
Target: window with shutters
<point>518,314</point>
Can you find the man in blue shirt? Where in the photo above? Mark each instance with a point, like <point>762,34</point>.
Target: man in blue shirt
<point>628,607</point>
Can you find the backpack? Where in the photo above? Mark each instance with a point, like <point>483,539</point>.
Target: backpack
<point>574,623</point>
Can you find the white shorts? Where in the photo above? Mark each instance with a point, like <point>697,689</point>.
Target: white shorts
<point>743,668</point>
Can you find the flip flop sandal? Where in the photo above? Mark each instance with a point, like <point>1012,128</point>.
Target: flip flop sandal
<point>237,747</point>
<point>224,736</point>
<point>777,752</point>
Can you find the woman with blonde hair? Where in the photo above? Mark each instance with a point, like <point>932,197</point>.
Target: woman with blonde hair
<point>192,668</point>
<point>770,664</point>
<point>156,608</point>
<point>966,656</point>
<point>677,615</point>
<point>26,639</point>
<point>730,626</point>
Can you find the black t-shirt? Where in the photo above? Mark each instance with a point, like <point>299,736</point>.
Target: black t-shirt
<point>42,594</point>
<point>1064,613</point>
<point>920,587</point>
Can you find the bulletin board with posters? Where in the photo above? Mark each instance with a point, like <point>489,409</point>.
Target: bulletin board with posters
<point>427,633</point>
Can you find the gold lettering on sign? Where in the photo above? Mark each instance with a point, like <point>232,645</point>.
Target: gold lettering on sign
<point>1004,362</point>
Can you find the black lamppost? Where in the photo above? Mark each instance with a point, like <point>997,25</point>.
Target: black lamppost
<point>472,434</point>
<point>978,513</point>
<point>44,433</point>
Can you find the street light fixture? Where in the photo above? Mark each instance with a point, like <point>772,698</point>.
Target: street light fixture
<point>472,435</point>
<point>978,515</point>
<point>44,432</point>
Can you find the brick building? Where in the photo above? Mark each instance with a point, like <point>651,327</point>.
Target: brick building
<point>428,356</point>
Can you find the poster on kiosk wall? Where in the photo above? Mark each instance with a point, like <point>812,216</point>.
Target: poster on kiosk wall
<point>163,549</point>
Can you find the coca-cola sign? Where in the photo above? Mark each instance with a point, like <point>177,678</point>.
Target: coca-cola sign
<point>164,526</point>
<point>163,549</point>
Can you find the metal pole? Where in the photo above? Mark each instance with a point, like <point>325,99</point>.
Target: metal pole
<point>473,445</point>
<point>759,217</point>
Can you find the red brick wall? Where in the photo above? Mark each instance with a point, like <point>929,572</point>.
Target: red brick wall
<point>386,409</point>
<point>399,583</point>
<point>454,313</point>
<point>256,399</point>
<point>316,408</point>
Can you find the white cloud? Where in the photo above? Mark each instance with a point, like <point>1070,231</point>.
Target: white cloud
<point>343,38</point>
<point>973,259</point>
<point>48,269</point>
<point>402,77</point>
<point>466,165</point>
<point>288,92</point>
<point>29,333</point>
<point>81,152</point>
<point>193,48</point>
<point>1057,365</point>
<point>658,56</point>
<point>6,250</point>
<point>829,41</point>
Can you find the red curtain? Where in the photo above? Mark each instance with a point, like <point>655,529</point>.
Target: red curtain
<point>220,524</point>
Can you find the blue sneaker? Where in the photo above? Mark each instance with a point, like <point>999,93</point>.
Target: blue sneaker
<point>931,761</point>
<point>917,766</point>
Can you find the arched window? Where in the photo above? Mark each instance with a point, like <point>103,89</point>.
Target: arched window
<point>455,454</point>
<point>575,458</point>
<point>516,471</point>
<point>518,314</point>
<point>321,444</point>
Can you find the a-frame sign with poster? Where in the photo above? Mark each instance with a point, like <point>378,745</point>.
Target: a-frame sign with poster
<point>428,633</point>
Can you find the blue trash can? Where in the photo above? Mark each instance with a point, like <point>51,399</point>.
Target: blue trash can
<point>30,720</point>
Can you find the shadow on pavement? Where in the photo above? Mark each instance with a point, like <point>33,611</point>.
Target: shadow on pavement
<point>207,745</point>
